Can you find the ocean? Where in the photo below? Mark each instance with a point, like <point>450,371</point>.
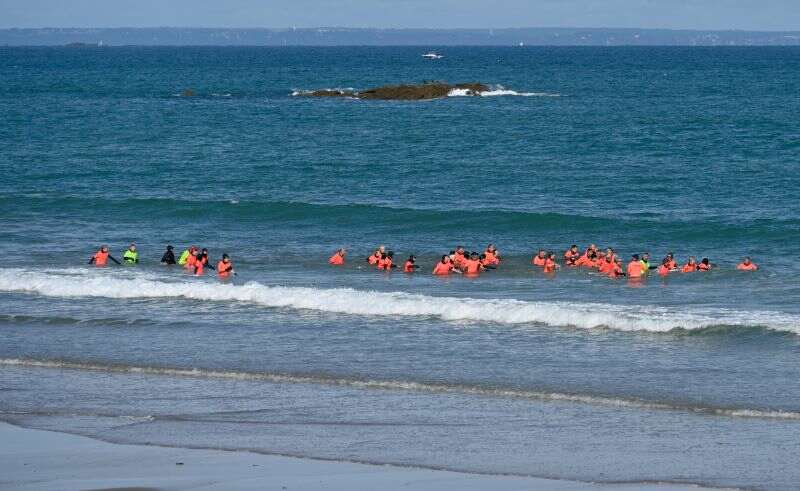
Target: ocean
<point>689,378</point>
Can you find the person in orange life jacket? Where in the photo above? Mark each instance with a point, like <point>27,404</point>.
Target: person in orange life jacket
<point>376,256</point>
<point>616,270</point>
<point>101,257</point>
<point>704,265</point>
<point>635,268</point>
<point>225,267</point>
<point>691,266</point>
<point>492,255</point>
<point>550,264</point>
<point>338,257</point>
<point>664,269</point>
<point>588,259</point>
<point>443,267</point>
<point>487,263</point>
<point>202,262</point>
<point>572,255</point>
<point>671,263</point>
<point>606,264</point>
<point>747,265</point>
<point>473,266</point>
<point>169,257</point>
<point>387,261</point>
<point>540,258</point>
<point>192,260</point>
<point>411,264</point>
<point>460,257</point>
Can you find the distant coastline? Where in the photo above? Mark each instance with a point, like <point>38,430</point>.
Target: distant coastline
<point>174,36</point>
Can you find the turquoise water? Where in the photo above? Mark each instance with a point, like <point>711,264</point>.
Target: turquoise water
<point>692,378</point>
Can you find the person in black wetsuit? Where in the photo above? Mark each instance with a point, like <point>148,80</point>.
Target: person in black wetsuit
<point>169,256</point>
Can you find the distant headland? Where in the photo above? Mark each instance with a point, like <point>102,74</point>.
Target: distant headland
<point>174,36</point>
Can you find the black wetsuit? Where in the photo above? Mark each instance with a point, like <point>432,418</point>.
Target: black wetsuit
<point>168,257</point>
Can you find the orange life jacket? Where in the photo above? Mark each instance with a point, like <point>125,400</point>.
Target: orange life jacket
<point>191,262</point>
<point>100,258</point>
<point>199,267</point>
<point>672,264</point>
<point>607,266</point>
<point>571,258</point>
<point>747,267</point>
<point>615,271</point>
<point>373,259</point>
<point>635,269</point>
<point>549,266</point>
<point>663,270</point>
<point>224,269</point>
<point>704,267</point>
<point>409,267</point>
<point>491,258</point>
<point>385,264</point>
<point>472,266</point>
<point>539,261</point>
<point>337,259</point>
<point>689,268</point>
<point>459,260</point>
<point>443,268</point>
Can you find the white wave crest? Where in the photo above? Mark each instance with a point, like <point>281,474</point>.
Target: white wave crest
<point>498,90</point>
<point>129,284</point>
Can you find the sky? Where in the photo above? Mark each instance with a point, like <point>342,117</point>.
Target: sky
<point>671,14</point>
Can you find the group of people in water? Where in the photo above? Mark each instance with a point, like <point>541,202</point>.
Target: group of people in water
<point>606,262</point>
<point>196,260</point>
<point>193,259</point>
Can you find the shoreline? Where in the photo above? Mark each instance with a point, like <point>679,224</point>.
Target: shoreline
<point>32,459</point>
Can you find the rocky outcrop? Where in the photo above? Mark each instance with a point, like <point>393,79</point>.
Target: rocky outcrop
<point>425,91</point>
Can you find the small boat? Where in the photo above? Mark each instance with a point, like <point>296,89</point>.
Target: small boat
<point>433,56</point>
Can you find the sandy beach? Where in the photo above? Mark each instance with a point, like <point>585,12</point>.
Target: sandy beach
<point>44,460</point>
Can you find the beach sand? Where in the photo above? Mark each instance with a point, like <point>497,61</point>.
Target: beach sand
<point>44,460</point>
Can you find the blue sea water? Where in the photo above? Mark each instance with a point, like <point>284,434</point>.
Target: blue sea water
<point>692,378</point>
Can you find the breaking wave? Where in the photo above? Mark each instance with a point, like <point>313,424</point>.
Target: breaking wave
<point>108,284</point>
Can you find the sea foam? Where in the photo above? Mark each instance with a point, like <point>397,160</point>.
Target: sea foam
<point>128,284</point>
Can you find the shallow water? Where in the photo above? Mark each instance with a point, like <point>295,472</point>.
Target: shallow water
<point>690,378</point>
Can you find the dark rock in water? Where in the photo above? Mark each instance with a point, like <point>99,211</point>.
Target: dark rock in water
<point>188,93</point>
<point>331,93</point>
<point>425,91</point>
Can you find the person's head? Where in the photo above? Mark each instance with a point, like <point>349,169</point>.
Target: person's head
<point>635,257</point>
<point>104,248</point>
<point>169,247</point>
<point>192,249</point>
<point>646,256</point>
<point>205,251</point>
<point>692,260</point>
<point>665,261</point>
<point>573,248</point>
<point>412,258</point>
<point>592,254</point>
<point>390,254</point>
<point>704,261</point>
<point>132,248</point>
<point>491,248</point>
<point>226,258</point>
<point>473,256</point>
<point>342,252</point>
<point>541,253</point>
<point>445,259</point>
<point>382,249</point>
<point>670,255</point>
<point>460,250</point>
<point>746,260</point>
<point>196,252</point>
<point>552,256</point>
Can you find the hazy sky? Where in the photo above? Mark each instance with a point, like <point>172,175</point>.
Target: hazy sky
<point>675,14</point>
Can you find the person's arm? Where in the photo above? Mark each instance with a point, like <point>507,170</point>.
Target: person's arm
<point>210,266</point>
<point>164,258</point>
<point>112,258</point>
<point>91,259</point>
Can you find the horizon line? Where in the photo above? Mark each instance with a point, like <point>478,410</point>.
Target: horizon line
<point>294,28</point>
